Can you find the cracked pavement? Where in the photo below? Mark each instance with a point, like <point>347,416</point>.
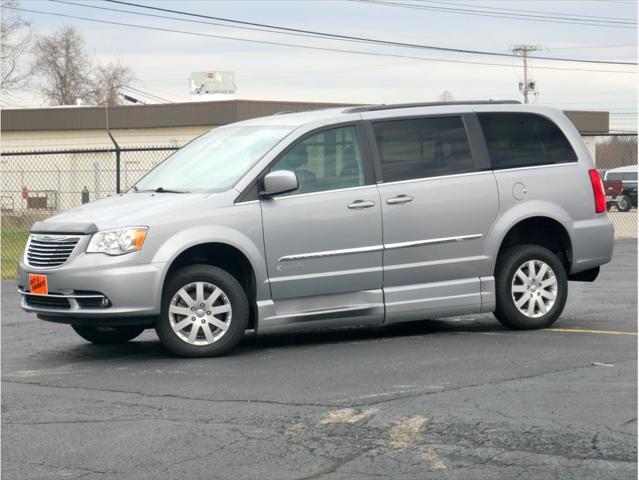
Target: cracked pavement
<point>459,398</point>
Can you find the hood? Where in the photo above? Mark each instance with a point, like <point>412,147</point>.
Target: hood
<point>131,209</point>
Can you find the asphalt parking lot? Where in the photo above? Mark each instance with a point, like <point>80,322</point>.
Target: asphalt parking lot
<point>458,398</point>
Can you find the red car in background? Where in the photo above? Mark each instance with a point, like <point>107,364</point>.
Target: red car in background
<point>620,186</point>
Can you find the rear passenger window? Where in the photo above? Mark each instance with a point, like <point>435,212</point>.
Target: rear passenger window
<point>524,139</point>
<point>424,147</point>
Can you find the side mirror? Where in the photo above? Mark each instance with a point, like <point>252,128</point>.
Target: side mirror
<point>280,181</point>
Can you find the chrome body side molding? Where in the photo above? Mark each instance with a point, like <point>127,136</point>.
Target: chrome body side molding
<point>432,241</point>
<point>377,248</point>
<point>331,253</point>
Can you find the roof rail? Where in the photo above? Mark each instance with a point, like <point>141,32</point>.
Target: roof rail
<point>373,108</point>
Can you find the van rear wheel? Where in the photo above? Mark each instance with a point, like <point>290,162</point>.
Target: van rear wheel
<point>108,335</point>
<point>204,312</point>
<point>531,286</point>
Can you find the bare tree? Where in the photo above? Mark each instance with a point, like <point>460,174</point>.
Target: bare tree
<point>616,152</point>
<point>446,96</point>
<point>64,66</point>
<point>107,83</point>
<point>68,74</point>
<point>15,40</point>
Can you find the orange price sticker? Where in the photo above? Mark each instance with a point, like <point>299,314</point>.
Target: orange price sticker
<point>38,284</point>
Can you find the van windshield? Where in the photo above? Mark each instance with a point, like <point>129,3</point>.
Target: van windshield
<point>213,162</point>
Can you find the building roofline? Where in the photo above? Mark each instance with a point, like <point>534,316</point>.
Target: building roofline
<point>215,113</point>
<point>185,114</point>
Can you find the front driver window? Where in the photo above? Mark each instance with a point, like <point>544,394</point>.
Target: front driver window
<point>327,160</point>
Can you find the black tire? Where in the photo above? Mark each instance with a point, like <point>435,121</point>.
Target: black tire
<point>233,292</point>
<point>108,335</point>
<point>624,204</point>
<point>508,263</point>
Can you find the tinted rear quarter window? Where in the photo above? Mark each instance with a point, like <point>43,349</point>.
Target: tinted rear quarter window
<point>422,147</point>
<point>523,140</point>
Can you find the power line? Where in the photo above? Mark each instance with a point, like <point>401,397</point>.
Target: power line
<point>364,39</point>
<point>148,95</point>
<point>201,22</point>
<point>349,69</point>
<point>588,102</point>
<point>211,23</point>
<point>622,2</point>
<point>480,13</point>
<point>520,10</point>
<point>590,47</point>
<point>325,49</point>
<point>162,92</point>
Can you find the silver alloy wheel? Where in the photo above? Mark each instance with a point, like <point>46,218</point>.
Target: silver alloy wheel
<point>200,313</point>
<point>534,288</point>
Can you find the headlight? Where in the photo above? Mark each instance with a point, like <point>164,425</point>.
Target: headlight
<point>118,241</point>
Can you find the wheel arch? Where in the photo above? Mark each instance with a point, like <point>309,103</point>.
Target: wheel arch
<point>541,223</point>
<point>235,253</point>
<point>539,230</point>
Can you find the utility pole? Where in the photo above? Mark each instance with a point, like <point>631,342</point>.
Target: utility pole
<point>526,86</point>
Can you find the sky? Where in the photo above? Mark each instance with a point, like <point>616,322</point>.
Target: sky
<point>162,61</point>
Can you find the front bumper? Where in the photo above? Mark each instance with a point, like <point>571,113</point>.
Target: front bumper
<point>76,289</point>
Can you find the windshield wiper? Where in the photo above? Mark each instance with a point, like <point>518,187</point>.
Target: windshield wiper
<point>163,190</point>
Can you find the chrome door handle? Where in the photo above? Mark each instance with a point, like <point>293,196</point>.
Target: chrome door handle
<point>361,204</point>
<point>399,199</point>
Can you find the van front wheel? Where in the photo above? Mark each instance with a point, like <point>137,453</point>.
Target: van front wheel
<point>204,312</point>
<point>531,287</point>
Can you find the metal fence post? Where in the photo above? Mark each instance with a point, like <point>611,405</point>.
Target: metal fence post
<point>22,187</point>
<point>96,180</point>
<point>117,162</point>
<point>117,170</point>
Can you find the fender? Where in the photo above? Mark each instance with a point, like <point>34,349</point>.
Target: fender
<point>516,214</point>
<point>252,248</point>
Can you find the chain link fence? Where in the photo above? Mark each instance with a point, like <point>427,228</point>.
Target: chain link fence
<point>615,155</point>
<point>39,184</point>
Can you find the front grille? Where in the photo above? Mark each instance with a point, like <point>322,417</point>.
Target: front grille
<point>48,251</point>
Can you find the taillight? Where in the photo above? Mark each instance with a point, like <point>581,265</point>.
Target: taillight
<point>597,190</point>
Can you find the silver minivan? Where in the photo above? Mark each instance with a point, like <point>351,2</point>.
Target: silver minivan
<point>350,216</point>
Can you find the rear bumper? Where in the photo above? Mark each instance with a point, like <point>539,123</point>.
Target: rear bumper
<point>592,243</point>
<point>76,289</point>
